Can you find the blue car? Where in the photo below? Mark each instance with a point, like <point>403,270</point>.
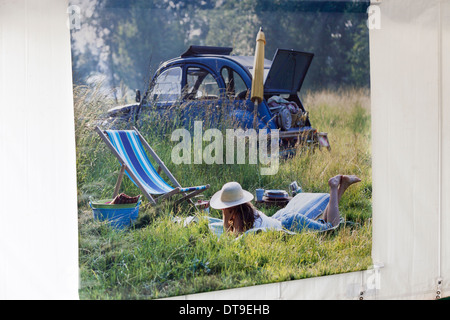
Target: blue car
<point>211,83</point>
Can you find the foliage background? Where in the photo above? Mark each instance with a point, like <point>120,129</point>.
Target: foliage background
<point>122,42</point>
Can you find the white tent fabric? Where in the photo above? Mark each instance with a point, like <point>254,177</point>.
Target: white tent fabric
<point>444,250</point>
<point>38,214</point>
<point>410,77</point>
<point>410,108</point>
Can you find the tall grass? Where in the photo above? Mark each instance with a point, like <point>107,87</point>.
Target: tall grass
<point>160,258</point>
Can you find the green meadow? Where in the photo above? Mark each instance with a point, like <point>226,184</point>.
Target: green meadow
<point>159,258</point>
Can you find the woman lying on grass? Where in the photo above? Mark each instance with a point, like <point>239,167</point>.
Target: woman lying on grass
<point>239,215</point>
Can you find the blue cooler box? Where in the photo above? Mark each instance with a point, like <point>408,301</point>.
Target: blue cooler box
<point>119,216</point>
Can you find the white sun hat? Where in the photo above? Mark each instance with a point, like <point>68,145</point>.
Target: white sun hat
<point>229,196</point>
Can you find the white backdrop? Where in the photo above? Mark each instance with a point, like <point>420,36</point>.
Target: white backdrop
<point>410,108</point>
<point>410,77</point>
<point>38,214</point>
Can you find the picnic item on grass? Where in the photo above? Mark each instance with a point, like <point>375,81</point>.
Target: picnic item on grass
<point>124,199</point>
<point>276,194</point>
<point>259,194</point>
<point>118,216</point>
<point>295,188</point>
<point>203,205</point>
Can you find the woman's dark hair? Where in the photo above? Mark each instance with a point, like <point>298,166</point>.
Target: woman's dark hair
<point>244,213</point>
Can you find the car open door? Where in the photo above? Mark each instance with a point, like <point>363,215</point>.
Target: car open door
<point>285,77</point>
<point>288,71</point>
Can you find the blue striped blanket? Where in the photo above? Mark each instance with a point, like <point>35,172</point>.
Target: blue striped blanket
<point>310,205</point>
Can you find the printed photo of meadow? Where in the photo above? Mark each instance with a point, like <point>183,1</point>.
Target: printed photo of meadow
<point>117,48</point>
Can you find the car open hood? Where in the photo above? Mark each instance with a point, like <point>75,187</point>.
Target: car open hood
<point>288,71</point>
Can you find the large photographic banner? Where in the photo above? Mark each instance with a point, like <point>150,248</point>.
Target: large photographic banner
<point>220,144</point>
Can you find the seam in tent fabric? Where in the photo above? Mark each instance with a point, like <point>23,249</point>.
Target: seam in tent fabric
<point>440,112</point>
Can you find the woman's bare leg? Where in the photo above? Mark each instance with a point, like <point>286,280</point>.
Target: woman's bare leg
<point>332,209</point>
<point>346,181</point>
<point>331,213</point>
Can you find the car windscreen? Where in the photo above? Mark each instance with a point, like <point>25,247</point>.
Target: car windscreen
<point>167,86</point>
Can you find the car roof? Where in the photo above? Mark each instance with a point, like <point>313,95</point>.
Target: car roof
<point>247,61</point>
<point>286,76</point>
<point>219,53</point>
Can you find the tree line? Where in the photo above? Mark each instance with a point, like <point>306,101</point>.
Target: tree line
<point>126,40</point>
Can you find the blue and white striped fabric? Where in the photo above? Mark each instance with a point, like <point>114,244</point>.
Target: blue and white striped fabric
<point>129,147</point>
<point>310,205</point>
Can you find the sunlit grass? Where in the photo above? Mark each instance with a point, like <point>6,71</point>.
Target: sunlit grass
<point>160,258</point>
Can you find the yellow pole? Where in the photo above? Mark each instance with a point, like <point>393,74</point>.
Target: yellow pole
<point>257,94</point>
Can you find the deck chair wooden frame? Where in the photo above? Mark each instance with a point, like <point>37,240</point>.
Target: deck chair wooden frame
<point>178,189</point>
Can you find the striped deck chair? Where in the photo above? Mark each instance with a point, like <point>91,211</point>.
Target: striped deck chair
<point>128,147</point>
